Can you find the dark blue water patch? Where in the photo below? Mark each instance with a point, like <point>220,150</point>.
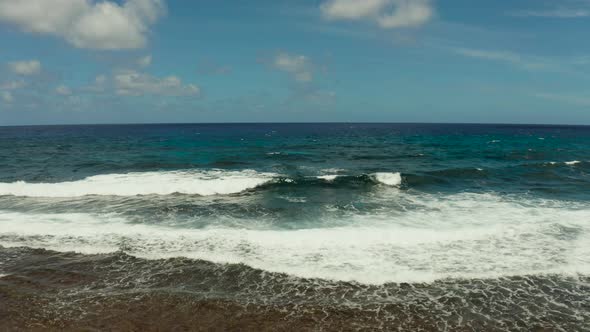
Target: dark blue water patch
<point>431,157</point>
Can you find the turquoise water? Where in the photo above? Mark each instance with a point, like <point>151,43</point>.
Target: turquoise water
<point>368,204</point>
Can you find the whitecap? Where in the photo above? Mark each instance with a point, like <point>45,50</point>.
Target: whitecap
<point>390,179</point>
<point>328,178</point>
<point>198,182</point>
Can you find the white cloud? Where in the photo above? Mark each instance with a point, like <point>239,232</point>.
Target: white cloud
<point>554,13</point>
<point>133,83</point>
<point>13,85</point>
<point>570,65</point>
<point>490,55</point>
<point>98,86</point>
<point>558,9</point>
<point>352,9</point>
<point>100,79</point>
<point>6,90</point>
<point>408,13</point>
<point>6,96</point>
<point>386,13</point>
<point>86,23</point>
<point>569,99</point>
<point>527,62</point>
<point>144,61</point>
<point>299,66</point>
<point>29,67</point>
<point>63,90</point>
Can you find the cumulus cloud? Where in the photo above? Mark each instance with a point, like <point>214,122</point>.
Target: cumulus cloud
<point>299,66</point>
<point>387,14</point>
<point>29,67</point>
<point>144,61</point>
<point>133,83</point>
<point>6,96</point>
<point>63,90</point>
<point>86,23</point>
<point>352,9</point>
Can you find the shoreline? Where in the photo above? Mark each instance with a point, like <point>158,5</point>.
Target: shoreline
<point>52,291</point>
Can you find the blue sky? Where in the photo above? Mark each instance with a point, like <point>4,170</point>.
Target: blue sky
<point>141,61</point>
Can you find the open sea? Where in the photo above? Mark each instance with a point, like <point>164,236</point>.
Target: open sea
<point>307,227</point>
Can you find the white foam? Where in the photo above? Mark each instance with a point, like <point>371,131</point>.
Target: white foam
<point>569,163</point>
<point>390,179</point>
<point>211,182</point>
<point>328,178</point>
<point>574,162</point>
<point>459,236</point>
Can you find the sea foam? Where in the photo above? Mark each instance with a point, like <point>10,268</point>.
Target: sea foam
<point>390,179</point>
<point>328,178</point>
<point>459,236</point>
<point>204,183</point>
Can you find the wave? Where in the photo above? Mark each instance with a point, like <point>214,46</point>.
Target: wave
<point>568,163</point>
<point>461,236</point>
<point>390,179</point>
<point>204,183</point>
<point>222,182</point>
<point>328,178</point>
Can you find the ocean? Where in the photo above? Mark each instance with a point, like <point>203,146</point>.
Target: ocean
<point>350,226</point>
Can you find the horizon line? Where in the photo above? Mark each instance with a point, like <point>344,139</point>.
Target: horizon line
<point>301,123</point>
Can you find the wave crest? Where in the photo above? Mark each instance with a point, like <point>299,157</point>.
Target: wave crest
<point>390,179</point>
<point>204,183</point>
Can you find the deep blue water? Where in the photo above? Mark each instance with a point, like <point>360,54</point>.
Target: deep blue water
<point>431,157</point>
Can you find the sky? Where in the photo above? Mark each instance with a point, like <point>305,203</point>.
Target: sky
<point>176,61</point>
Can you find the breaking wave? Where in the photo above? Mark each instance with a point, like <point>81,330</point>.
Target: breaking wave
<point>462,236</point>
<point>204,183</point>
